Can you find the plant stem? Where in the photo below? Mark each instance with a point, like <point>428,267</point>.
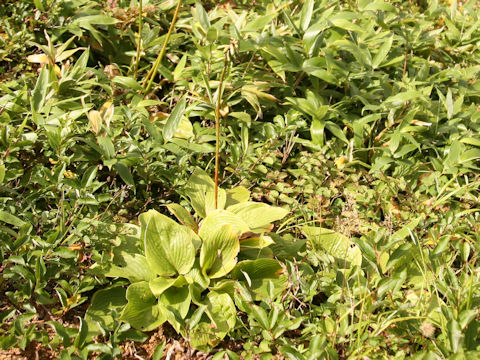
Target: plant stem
<point>139,42</point>
<point>153,71</point>
<point>217,126</point>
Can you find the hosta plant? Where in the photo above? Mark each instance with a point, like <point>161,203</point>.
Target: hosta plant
<point>187,273</point>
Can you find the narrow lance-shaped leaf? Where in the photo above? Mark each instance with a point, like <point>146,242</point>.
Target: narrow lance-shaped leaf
<point>40,91</point>
<point>382,52</point>
<point>174,119</point>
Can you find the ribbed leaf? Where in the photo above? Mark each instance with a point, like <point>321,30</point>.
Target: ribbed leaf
<point>168,246</point>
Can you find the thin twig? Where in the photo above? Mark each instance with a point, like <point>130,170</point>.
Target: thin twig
<point>153,71</point>
<point>139,42</point>
<point>217,126</point>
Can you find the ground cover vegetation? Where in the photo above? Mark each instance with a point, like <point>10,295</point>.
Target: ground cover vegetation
<point>239,179</point>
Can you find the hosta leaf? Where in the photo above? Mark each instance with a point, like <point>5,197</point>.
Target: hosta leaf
<point>183,215</point>
<point>218,254</point>
<point>219,218</point>
<point>335,244</point>
<point>237,195</point>
<point>135,267</point>
<point>201,191</point>
<point>221,310</point>
<point>178,299</point>
<point>100,311</point>
<point>258,216</point>
<point>257,269</point>
<point>168,245</point>
<point>258,242</point>
<point>196,277</point>
<point>142,311</point>
<point>160,284</point>
<point>174,304</point>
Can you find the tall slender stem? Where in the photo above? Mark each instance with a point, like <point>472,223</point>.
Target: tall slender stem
<point>139,42</point>
<point>217,126</point>
<point>153,71</point>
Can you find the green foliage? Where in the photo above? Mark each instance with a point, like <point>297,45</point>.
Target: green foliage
<point>176,267</point>
<point>350,126</point>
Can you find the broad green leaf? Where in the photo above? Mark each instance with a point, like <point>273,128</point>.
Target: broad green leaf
<point>174,119</point>
<point>258,216</point>
<point>134,267</point>
<point>177,298</point>
<point>100,311</point>
<point>174,304</point>
<point>127,83</point>
<point>220,218</point>
<point>257,242</point>
<point>264,277</point>
<point>222,311</point>
<point>257,269</point>
<point>362,55</point>
<point>200,189</point>
<point>335,244</point>
<point>237,195</point>
<point>456,149</point>
<point>196,277</point>
<point>40,91</point>
<point>219,251</point>
<point>11,219</point>
<point>168,245</point>
<point>142,311</point>
<point>203,336</point>
<point>82,334</point>
<point>159,284</point>
<point>183,216</point>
